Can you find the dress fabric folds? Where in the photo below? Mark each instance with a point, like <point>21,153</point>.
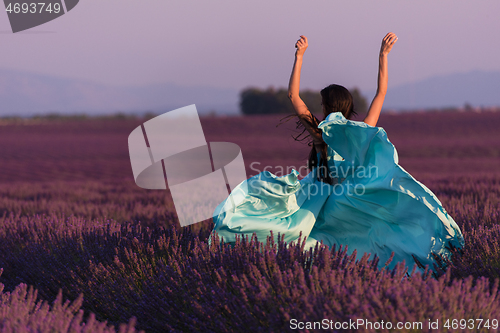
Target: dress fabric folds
<point>374,206</point>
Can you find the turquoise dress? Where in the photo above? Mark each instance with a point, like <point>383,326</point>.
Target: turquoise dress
<point>374,206</point>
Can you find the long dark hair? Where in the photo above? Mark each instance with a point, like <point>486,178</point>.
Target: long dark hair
<point>335,98</point>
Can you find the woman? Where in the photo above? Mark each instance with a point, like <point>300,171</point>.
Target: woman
<point>356,194</point>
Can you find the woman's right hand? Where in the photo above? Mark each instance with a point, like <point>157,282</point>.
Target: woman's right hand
<point>301,45</point>
<point>388,43</point>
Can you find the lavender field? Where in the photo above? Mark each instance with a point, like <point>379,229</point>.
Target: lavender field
<point>83,249</point>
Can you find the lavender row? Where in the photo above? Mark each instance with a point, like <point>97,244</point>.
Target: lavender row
<point>171,280</point>
<point>471,200</point>
<point>20,311</point>
<point>443,143</point>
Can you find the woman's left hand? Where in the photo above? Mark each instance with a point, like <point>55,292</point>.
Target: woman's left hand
<point>387,43</point>
<point>301,45</point>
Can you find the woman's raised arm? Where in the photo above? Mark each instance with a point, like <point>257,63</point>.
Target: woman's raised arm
<point>376,105</point>
<point>299,106</point>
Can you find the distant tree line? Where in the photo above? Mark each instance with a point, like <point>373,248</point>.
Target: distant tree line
<point>270,101</point>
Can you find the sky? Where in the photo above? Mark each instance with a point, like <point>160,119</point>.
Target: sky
<point>236,44</point>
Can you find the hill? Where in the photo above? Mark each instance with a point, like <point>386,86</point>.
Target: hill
<point>475,88</point>
<point>26,94</point>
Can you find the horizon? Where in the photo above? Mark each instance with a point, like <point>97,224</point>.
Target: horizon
<point>29,94</point>
<point>55,116</point>
<point>234,45</point>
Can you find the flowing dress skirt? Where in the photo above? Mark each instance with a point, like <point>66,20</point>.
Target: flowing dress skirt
<point>375,206</point>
